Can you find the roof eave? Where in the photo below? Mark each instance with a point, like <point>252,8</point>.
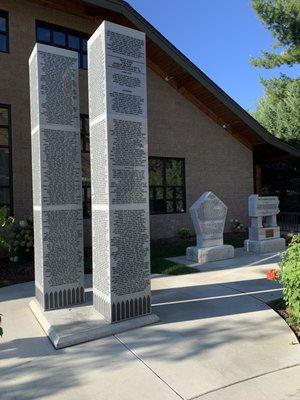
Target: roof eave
<point>153,34</point>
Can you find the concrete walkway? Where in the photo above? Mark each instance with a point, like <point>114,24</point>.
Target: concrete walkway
<point>217,340</point>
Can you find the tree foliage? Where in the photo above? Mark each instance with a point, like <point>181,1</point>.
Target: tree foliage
<point>279,110</point>
<point>282,18</point>
<point>290,277</point>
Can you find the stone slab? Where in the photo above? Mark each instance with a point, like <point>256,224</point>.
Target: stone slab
<point>268,233</point>
<point>68,327</point>
<point>265,246</point>
<point>260,206</point>
<point>208,254</point>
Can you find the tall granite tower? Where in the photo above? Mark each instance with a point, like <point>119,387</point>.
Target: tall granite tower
<point>119,172</point>
<point>56,169</point>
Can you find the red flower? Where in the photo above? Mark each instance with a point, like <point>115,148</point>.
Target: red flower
<point>273,275</point>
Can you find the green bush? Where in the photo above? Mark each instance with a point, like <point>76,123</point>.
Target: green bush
<point>22,241</point>
<point>236,226</point>
<point>16,238</point>
<point>184,233</point>
<point>6,228</point>
<point>290,277</point>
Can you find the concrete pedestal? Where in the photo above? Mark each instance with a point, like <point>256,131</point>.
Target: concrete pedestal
<point>265,246</point>
<point>79,324</point>
<point>207,254</point>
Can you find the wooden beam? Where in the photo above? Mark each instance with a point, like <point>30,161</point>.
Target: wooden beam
<point>257,179</point>
<point>80,9</point>
<point>75,7</point>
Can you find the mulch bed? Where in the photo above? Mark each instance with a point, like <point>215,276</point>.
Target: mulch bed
<point>281,309</point>
<point>23,271</point>
<point>12,273</point>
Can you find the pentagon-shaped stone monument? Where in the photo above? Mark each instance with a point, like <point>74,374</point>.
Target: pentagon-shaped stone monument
<point>209,214</point>
<point>264,233</point>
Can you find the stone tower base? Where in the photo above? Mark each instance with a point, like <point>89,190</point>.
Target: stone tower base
<point>265,246</point>
<point>69,326</point>
<point>207,254</point>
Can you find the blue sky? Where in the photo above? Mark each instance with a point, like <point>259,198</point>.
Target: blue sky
<point>219,36</point>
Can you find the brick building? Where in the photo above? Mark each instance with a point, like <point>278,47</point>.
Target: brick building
<point>199,138</point>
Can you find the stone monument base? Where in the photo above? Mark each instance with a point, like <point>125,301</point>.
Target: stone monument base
<point>69,326</point>
<point>207,254</point>
<point>265,246</point>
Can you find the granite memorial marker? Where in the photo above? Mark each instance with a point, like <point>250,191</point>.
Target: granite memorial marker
<point>56,169</point>
<point>208,215</point>
<point>264,233</point>
<point>119,172</point>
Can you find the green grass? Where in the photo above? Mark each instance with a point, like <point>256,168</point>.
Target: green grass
<point>159,264</point>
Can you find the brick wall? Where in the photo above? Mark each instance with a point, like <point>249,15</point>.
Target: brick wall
<point>214,160</point>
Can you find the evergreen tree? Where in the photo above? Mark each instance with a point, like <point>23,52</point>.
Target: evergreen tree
<point>279,110</point>
<point>282,18</point>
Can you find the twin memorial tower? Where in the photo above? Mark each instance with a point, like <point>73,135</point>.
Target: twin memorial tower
<point>119,175</point>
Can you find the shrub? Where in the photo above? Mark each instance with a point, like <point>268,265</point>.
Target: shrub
<point>290,276</point>
<point>17,239</point>
<point>6,228</point>
<point>184,233</point>
<point>236,225</point>
<point>22,241</point>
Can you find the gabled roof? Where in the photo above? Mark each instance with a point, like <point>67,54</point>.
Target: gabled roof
<point>188,77</point>
<point>167,61</point>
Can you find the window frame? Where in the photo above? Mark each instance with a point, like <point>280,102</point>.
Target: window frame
<point>5,15</point>
<point>165,186</point>
<point>9,147</point>
<point>66,31</point>
<point>86,186</point>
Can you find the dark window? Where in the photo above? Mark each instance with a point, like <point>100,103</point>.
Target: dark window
<point>59,38</point>
<point>86,169</point>
<point>166,185</point>
<point>43,34</point>
<point>5,157</point>
<point>4,32</point>
<point>74,42</point>
<point>166,178</point>
<point>65,38</point>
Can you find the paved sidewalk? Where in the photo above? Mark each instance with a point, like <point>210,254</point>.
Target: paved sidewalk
<point>217,340</point>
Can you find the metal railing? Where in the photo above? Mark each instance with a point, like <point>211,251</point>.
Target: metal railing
<point>289,221</point>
